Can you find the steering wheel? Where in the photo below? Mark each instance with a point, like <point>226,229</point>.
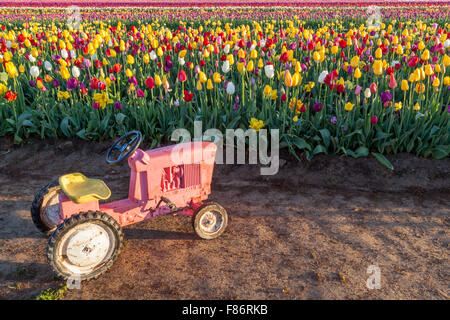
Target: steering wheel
<point>125,145</point>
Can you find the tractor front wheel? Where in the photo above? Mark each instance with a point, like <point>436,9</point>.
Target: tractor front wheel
<point>84,246</point>
<point>210,220</point>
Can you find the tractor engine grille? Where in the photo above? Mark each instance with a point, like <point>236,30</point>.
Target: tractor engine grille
<point>191,175</point>
<point>182,176</point>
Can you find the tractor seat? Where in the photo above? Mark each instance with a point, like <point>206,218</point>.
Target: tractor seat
<point>81,189</point>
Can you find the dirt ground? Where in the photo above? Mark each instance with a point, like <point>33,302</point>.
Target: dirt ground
<point>309,232</point>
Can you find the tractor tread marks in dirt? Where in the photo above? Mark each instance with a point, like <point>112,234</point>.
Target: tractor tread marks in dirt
<point>95,217</point>
<point>37,204</point>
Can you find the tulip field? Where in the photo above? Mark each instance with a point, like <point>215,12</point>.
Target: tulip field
<point>329,79</point>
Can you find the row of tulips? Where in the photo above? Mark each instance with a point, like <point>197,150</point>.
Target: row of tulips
<point>337,87</point>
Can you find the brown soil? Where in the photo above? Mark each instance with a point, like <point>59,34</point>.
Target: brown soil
<point>309,232</point>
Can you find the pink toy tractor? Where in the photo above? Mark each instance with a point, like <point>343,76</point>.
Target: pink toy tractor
<point>87,235</point>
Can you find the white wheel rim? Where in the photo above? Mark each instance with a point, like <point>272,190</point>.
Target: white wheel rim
<point>211,222</point>
<point>50,211</point>
<point>85,247</point>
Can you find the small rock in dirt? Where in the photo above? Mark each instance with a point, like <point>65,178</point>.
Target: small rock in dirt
<point>342,277</point>
<point>282,163</point>
<point>318,276</point>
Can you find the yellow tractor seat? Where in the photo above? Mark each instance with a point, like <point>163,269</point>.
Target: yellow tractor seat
<point>81,189</point>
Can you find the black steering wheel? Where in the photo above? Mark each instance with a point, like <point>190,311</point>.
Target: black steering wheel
<point>125,145</point>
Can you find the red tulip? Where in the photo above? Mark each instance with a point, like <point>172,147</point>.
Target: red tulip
<point>117,67</point>
<point>182,77</point>
<point>412,62</point>
<point>150,83</point>
<point>188,96</point>
<point>374,120</point>
<point>10,95</point>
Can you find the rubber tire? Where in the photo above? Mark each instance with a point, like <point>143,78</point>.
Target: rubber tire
<point>202,209</point>
<point>73,221</point>
<point>36,206</point>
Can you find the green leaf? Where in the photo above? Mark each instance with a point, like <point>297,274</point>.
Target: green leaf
<point>326,137</point>
<point>361,152</point>
<point>64,125</point>
<point>120,117</point>
<point>17,139</point>
<point>382,159</point>
<point>441,151</point>
<point>301,143</point>
<point>319,149</point>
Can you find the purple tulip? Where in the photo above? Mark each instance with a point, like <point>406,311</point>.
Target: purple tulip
<point>317,107</point>
<point>72,83</point>
<point>333,120</point>
<point>118,105</point>
<point>56,83</point>
<point>386,96</point>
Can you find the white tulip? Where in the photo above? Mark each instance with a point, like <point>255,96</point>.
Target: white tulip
<point>226,49</point>
<point>322,76</point>
<point>181,61</point>
<point>75,71</point>
<point>270,72</point>
<point>153,55</point>
<point>31,58</point>
<point>64,54</point>
<point>48,66</point>
<point>367,93</point>
<point>3,76</point>
<point>226,66</point>
<point>34,71</point>
<point>447,43</point>
<point>8,44</point>
<point>230,88</point>
<point>262,43</point>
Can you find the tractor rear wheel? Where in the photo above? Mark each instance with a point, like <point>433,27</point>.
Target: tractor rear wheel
<point>210,220</point>
<point>45,211</point>
<point>85,246</point>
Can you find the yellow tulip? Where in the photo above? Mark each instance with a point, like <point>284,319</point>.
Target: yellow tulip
<point>357,73</point>
<point>446,61</point>
<point>240,67</point>
<point>157,80</point>
<point>217,78</point>
<point>420,88</point>
<point>202,77</point>
<point>128,73</point>
<point>354,62</point>
<point>436,82</point>
<point>130,59</point>
<point>288,79</point>
<point>146,58</point>
<point>349,106</point>
<point>428,70</point>
<point>199,85</point>
<point>209,85</point>
<point>267,91</point>
<point>250,66</point>
<point>447,81</point>
<point>378,53</point>
<point>404,85</point>
<point>378,67</point>
<point>425,55</point>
